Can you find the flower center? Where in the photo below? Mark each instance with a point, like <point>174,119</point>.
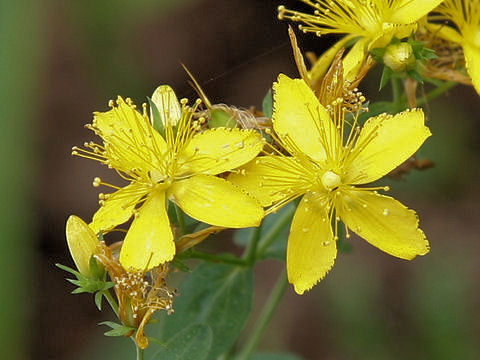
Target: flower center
<point>330,180</point>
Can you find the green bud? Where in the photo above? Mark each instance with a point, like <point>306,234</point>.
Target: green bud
<point>399,57</point>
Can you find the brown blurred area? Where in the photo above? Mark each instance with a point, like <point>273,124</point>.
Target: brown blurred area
<point>370,306</point>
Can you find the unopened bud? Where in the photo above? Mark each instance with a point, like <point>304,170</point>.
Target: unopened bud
<point>399,57</point>
<point>82,243</point>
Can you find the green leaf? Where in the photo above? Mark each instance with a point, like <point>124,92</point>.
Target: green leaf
<point>218,295</point>
<point>220,118</point>
<point>267,104</point>
<point>156,118</point>
<point>117,329</point>
<point>275,356</point>
<point>414,74</point>
<point>98,300</point>
<point>386,75</point>
<point>378,53</point>
<point>192,343</point>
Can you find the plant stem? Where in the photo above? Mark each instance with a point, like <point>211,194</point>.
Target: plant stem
<point>397,90</point>
<point>181,219</point>
<point>251,249</point>
<point>111,301</point>
<point>139,352</point>
<point>436,92</point>
<point>270,236</point>
<point>265,317</point>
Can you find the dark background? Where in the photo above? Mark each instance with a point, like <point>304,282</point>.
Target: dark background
<point>61,60</point>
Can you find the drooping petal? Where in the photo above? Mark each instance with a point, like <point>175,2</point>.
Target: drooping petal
<point>82,243</point>
<point>472,58</point>
<point>445,32</point>
<point>409,11</point>
<point>130,140</point>
<point>383,222</point>
<point>167,105</point>
<point>149,241</point>
<point>354,59</point>
<point>311,250</point>
<point>117,208</point>
<point>218,150</point>
<point>216,201</point>
<point>300,121</point>
<point>384,143</point>
<point>271,178</point>
<point>389,30</point>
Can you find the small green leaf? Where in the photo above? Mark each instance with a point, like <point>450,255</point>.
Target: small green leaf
<point>117,329</point>
<point>220,118</point>
<point>156,118</point>
<point>98,300</point>
<point>218,295</point>
<point>414,74</point>
<point>378,53</point>
<point>386,75</point>
<point>267,104</point>
<point>192,343</point>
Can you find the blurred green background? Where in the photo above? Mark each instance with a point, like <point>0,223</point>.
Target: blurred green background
<point>61,60</point>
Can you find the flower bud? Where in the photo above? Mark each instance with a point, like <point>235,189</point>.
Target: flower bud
<point>82,243</point>
<point>399,57</point>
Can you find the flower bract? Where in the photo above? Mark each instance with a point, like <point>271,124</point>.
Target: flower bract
<point>327,161</point>
<point>179,165</point>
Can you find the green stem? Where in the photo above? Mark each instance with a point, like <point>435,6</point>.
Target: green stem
<point>397,90</point>
<point>251,249</point>
<point>265,317</point>
<point>111,301</point>
<point>270,236</point>
<point>140,352</point>
<point>436,92</point>
<point>181,219</point>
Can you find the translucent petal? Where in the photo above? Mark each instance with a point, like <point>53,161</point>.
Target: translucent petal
<point>472,58</point>
<point>130,140</point>
<point>311,250</point>
<point>216,201</point>
<point>218,150</point>
<point>167,104</point>
<point>271,178</point>
<point>384,143</point>
<point>149,241</point>
<point>383,222</point>
<point>82,243</point>
<point>117,208</point>
<point>300,121</point>
<point>408,11</point>
<point>354,59</point>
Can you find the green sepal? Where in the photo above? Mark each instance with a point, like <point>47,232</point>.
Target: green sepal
<point>220,118</point>
<point>386,75</point>
<point>414,74</point>
<point>267,104</point>
<point>117,329</point>
<point>86,284</point>
<point>378,53</point>
<point>98,300</point>
<point>156,119</point>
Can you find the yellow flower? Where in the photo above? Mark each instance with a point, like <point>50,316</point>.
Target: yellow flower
<point>374,22</point>
<point>82,243</point>
<point>179,167</point>
<point>327,170</point>
<point>466,16</point>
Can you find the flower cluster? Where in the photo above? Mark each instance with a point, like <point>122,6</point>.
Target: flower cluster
<point>229,168</point>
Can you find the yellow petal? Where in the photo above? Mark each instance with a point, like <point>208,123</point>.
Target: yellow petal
<point>130,140</point>
<point>472,58</point>
<point>311,250</point>
<point>270,179</point>
<point>167,104</point>
<point>218,150</point>
<point>117,208</point>
<point>409,11</point>
<point>354,59</point>
<point>384,143</point>
<point>321,66</point>
<point>300,121</point>
<point>216,201</point>
<point>445,32</point>
<point>149,241</point>
<point>383,222</point>
<point>82,243</point>
<point>389,30</point>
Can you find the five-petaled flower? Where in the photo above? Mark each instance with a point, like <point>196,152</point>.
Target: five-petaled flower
<point>325,164</point>
<point>373,22</point>
<point>179,165</point>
